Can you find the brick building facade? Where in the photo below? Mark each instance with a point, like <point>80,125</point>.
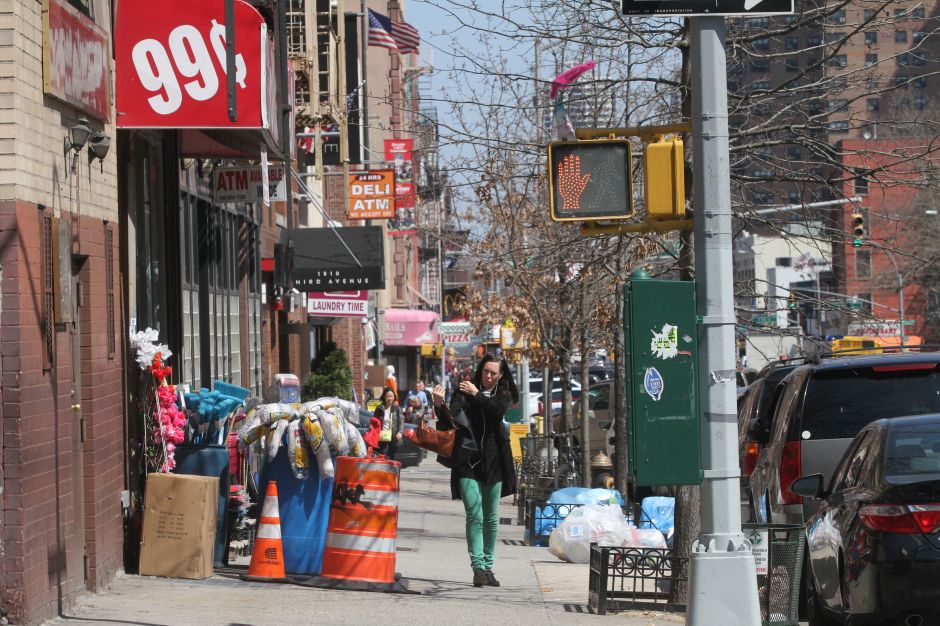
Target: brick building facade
<point>62,462</point>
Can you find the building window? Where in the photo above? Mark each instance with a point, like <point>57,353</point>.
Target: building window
<point>790,19</point>
<point>920,103</point>
<point>901,81</point>
<point>918,13</point>
<point>783,261</point>
<point>900,13</point>
<point>794,153</point>
<point>761,44</point>
<point>763,197</point>
<point>920,82</point>
<point>759,22</point>
<point>903,59</point>
<point>839,61</point>
<point>760,65</point>
<point>836,105</point>
<point>813,40</point>
<point>871,104</point>
<point>762,174</point>
<point>760,84</point>
<point>918,58</point>
<point>792,43</point>
<point>85,6</point>
<point>792,65</point>
<point>794,197</point>
<point>860,184</point>
<point>838,17</point>
<point>870,59</point>
<point>835,36</point>
<point>900,36</point>
<point>838,126</point>
<point>918,36</point>
<point>862,264</point>
<point>868,14</point>
<point>871,37</point>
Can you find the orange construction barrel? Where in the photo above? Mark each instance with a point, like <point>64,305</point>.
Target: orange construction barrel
<point>363,527</point>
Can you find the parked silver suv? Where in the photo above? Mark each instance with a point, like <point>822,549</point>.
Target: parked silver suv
<point>819,410</point>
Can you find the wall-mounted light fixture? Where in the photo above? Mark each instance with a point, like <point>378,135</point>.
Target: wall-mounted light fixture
<point>80,134</point>
<point>98,147</point>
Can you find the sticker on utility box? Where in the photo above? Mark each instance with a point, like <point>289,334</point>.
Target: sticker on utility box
<point>653,383</point>
<point>760,548</point>
<point>665,344</point>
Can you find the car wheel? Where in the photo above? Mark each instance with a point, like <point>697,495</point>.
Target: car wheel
<point>815,614</point>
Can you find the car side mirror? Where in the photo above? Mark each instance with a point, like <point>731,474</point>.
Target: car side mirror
<point>809,486</point>
<point>757,432</point>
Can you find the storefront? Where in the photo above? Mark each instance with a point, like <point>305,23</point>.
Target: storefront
<point>405,332</point>
<point>203,192</point>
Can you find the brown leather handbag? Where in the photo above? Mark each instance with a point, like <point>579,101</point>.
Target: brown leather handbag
<point>440,441</point>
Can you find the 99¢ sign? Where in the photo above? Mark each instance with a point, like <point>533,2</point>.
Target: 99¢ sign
<point>170,63</point>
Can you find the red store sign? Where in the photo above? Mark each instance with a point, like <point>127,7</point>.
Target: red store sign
<point>171,65</point>
<point>75,59</point>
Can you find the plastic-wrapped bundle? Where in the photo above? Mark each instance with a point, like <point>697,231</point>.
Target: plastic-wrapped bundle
<point>348,409</point>
<point>357,447</point>
<point>275,437</point>
<point>325,462</point>
<point>275,411</point>
<point>591,523</point>
<point>250,431</point>
<point>334,430</point>
<point>313,433</point>
<point>297,451</point>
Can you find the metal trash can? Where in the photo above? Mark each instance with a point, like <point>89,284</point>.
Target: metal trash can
<point>778,554</point>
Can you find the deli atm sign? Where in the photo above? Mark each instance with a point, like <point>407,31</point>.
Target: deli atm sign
<point>371,195</point>
<point>170,62</point>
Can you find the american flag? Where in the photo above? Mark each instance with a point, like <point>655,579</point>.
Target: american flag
<point>386,33</point>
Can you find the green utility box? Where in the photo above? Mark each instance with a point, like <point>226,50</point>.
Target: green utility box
<point>662,347</point>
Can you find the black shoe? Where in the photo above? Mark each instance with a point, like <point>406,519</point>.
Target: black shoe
<point>480,578</point>
<point>490,579</point>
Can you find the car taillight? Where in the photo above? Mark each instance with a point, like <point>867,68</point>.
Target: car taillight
<point>790,470</point>
<point>927,516</point>
<point>750,458</point>
<point>888,518</point>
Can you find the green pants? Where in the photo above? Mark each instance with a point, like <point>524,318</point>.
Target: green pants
<point>481,502</point>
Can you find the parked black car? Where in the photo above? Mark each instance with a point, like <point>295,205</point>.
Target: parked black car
<point>820,409</point>
<point>408,454</point>
<point>874,542</point>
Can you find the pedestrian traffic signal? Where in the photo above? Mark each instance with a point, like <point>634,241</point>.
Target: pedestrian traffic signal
<point>858,229</point>
<point>590,180</point>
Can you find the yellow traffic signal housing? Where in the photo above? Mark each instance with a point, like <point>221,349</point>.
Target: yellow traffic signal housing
<point>590,180</point>
<point>664,175</point>
<point>858,225</point>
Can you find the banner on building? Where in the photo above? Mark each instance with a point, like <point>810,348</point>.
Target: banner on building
<point>246,184</point>
<point>371,195</point>
<point>75,59</point>
<point>339,259</point>
<point>338,304</point>
<point>399,152</point>
<point>170,61</point>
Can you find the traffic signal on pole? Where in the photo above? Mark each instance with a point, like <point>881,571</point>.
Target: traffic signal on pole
<point>858,229</point>
<point>791,301</point>
<point>664,177</point>
<point>590,180</point>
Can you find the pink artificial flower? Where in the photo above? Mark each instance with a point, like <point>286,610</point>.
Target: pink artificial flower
<point>567,77</point>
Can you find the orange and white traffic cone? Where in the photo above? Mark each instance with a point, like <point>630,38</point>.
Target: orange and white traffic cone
<point>267,558</point>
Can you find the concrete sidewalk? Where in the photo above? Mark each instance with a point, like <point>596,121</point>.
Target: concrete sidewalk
<point>536,587</point>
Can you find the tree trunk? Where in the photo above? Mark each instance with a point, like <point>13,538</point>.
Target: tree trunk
<point>619,401</point>
<point>585,399</point>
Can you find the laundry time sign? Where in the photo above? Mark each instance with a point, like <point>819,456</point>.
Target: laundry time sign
<point>371,195</point>
<point>338,304</point>
<point>246,184</point>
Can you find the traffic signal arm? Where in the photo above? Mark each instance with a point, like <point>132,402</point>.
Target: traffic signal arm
<point>664,175</point>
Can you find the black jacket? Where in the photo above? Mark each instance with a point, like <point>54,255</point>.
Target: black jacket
<point>488,411</point>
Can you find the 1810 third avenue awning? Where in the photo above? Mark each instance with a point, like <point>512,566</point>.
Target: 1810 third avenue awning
<point>323,263</point>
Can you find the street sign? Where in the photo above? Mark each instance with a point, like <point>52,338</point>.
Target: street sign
<point>706,7</point>
<point>764,319</point>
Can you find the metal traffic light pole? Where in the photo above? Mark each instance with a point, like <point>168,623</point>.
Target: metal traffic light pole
<point>723,580</point>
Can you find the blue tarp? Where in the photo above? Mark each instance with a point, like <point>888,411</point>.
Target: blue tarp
<point>658,512</point>
<point>583,495</point>
<point>305,511</point>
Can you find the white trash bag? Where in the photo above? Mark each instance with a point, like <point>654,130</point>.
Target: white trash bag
<point>602,524</point>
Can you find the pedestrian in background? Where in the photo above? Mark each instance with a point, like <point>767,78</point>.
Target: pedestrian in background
<point>414,410</point>
<point>419,392</point>
<point>392,423</point>
<point>482,476</point>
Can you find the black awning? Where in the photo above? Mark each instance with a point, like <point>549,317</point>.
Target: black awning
<point>322,262</point>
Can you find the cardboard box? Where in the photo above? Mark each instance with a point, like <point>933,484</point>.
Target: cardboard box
<point>178,536</point>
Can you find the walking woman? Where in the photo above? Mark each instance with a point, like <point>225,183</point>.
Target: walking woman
<point>390,414</point>
<point>482,471</point>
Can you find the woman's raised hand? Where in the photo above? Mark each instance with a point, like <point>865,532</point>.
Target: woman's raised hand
<point>437,395</point>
